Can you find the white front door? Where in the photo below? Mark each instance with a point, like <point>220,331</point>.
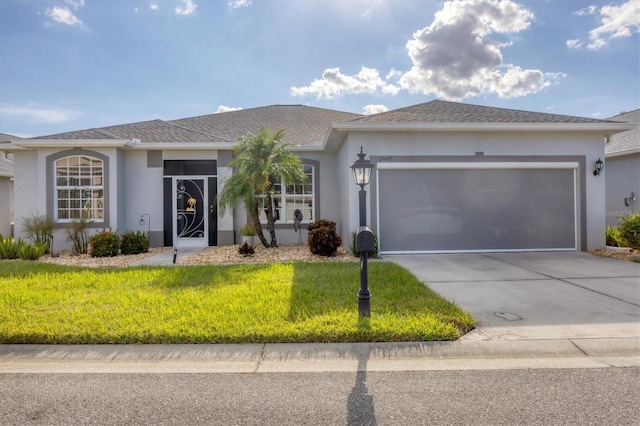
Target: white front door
<point>190,212</point>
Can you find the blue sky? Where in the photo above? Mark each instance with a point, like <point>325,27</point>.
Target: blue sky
<point>76,64</point>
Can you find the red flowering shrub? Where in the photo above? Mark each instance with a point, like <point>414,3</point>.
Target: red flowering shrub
<point>323,239</point>
<point>103,244</point>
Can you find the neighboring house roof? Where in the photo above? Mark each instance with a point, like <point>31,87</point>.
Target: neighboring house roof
<point>304,125</point>
<point>6,161</point>
<point>625,142</point>
<point>454,112</point>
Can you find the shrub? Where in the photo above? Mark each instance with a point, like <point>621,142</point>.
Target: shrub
<point>32,251</point>
<point>10,248</point>
<point>104,244</point>
<point>323,239</point>
<point>39,230</point>
<point>246,250</point>
<point>353,246</point>
<point>248,230</point>
<point>614,237</point>
<point>134,243</point>
<point>78,236</point>
<point>630,230</point>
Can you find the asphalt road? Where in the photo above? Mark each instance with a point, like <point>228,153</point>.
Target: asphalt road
<point>607,396</point>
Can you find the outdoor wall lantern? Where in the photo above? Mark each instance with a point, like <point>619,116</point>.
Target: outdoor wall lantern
<point>599,167</point>
<point>142,221</point>
<point>630,199</point>
<point>361,169</point>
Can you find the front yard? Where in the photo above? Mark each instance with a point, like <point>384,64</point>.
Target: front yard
<point>272,302</point>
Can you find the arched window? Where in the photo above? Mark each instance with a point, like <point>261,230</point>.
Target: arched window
<point>79,188</point>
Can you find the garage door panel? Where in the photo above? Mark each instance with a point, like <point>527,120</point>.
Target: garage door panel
<point>475,210</point>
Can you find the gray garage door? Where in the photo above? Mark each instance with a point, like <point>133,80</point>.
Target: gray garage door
<point>510,208</point>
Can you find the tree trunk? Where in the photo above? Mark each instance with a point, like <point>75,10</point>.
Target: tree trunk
<point>255,217</point>
<point>271,227</point>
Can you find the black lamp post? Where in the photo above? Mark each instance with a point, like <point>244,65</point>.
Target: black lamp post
<point>361,169</point>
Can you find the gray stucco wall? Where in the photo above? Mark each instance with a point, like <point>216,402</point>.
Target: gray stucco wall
<point>5,206</point>
<point>622,176</point>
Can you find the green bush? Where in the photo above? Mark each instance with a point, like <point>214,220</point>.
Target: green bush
<point>104,244</point>
<point>630,230</point>
<point>353,246</point>
<point>614,237</point>
<point>78,236</point>
<point>32,251</point>
<point>134,243</point>
<point>39,230</point>
<point>10,248</point>
<point>323,239</point>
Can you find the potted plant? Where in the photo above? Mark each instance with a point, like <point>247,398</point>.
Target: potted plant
<point>248,232</point>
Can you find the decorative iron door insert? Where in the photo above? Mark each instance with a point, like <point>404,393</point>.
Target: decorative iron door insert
<point>190,211</point>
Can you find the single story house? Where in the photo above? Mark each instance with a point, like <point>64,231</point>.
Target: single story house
<point>622,153</point>
<point>6,189</point>
<point>448,177</point>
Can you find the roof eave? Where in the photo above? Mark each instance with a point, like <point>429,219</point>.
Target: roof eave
<point>184,145</point>
<point>620,153</point>
<point>605,127</point>
<point>73,143</point>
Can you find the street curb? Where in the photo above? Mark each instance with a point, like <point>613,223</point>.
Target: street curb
<point>321,357</point>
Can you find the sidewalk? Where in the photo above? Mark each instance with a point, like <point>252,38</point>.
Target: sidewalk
<point>464,354</point>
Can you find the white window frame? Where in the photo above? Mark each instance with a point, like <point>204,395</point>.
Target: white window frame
<point>283,210</point>
<point>82,178</point>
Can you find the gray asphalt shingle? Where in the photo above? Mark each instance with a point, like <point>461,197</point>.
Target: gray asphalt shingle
<point>628,140</point>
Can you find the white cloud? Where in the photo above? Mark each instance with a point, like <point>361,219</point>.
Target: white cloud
<point>63,15</point>
<point>75,3</point>
<point>333,83</point>
<point>617,21</point>
<point>34,114</point>
<point>153,6</point>
<point>224,108</point>
<point>453,58</point>
<point>237,4</point>
<point>374,109</point>
<point>574,44</point>
<point>591,10</point>
<point>188,9</point>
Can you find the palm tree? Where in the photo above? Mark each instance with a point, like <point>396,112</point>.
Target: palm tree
<point>258,162</point>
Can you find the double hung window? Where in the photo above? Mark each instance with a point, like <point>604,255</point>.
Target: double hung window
<point>289,198</point>
<point>79,188</point>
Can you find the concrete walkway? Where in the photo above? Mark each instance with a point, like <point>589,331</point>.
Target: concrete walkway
<point>166,257</point>
<point>534,310</point>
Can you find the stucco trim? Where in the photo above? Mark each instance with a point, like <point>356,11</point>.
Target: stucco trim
<point>50,186</point>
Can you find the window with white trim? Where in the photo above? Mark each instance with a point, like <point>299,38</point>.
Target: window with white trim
<point>79,188</point>
<point>289,198</point>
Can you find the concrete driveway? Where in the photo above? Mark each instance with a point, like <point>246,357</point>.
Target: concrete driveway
<point>536,295</point>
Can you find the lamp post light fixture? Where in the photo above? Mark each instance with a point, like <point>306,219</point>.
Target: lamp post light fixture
<point>361,169</point>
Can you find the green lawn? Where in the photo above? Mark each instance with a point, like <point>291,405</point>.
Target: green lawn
<point>290,302</point>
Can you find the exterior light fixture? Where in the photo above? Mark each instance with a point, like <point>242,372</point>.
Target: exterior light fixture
<point>598,168</point>
<point>630,199</point>
<point>365,239</point>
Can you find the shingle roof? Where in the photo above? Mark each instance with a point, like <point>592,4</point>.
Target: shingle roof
<point>438,111</point>
<point>628,140</point>
<point>304,125</point>
<point>6,162</point>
